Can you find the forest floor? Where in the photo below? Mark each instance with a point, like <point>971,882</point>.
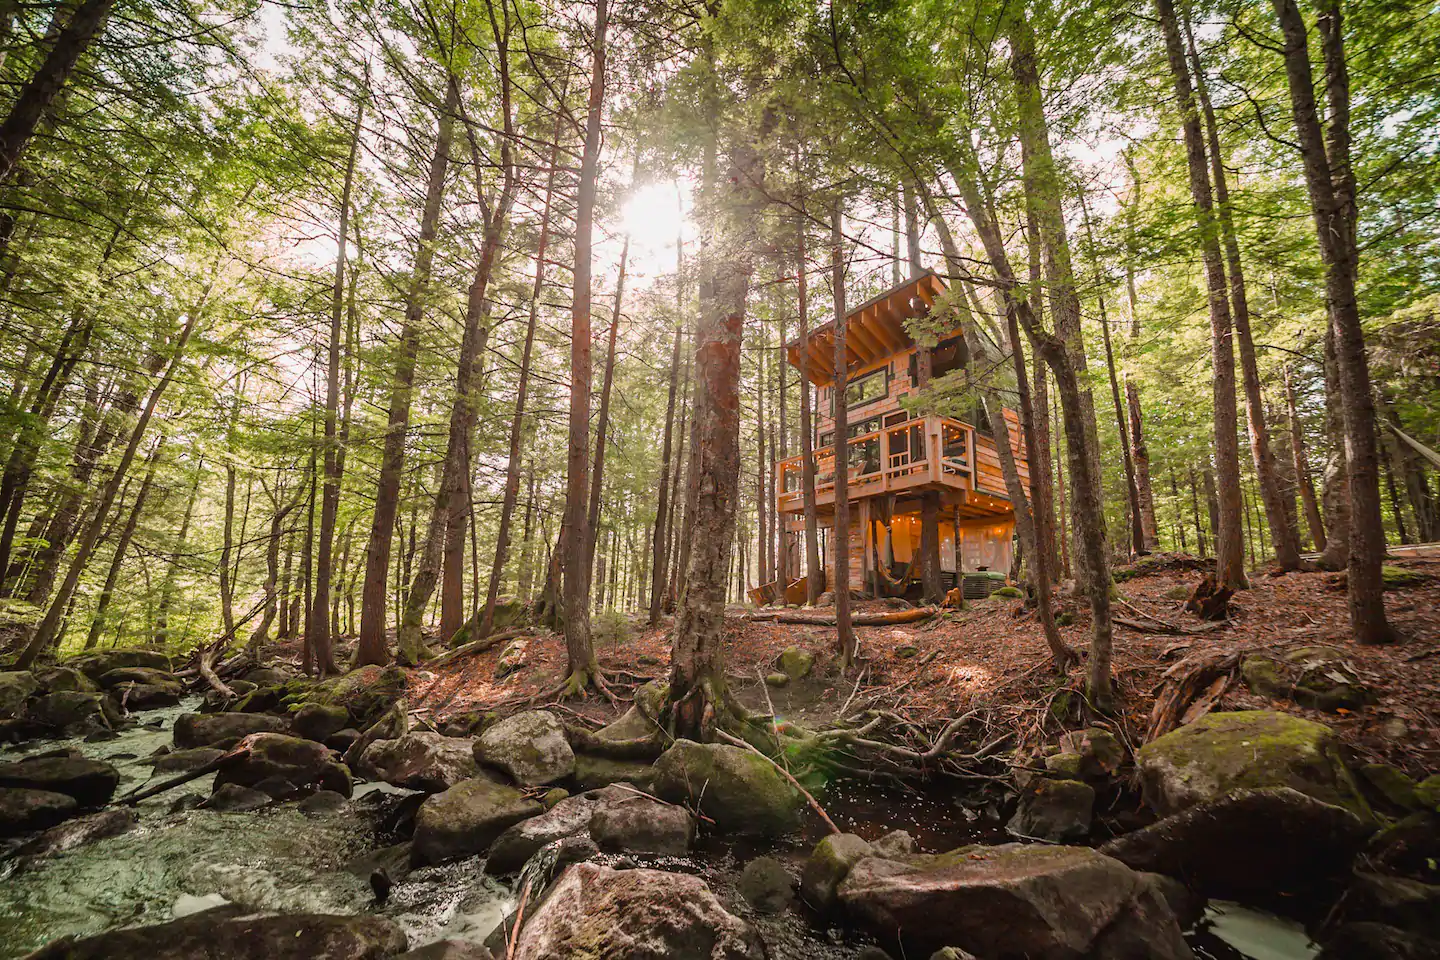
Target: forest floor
<point>992,656</point>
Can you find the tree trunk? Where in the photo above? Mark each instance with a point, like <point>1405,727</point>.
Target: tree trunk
<point>845,641</point>
<point>1303,478</point>
<point>1330,182</point>
<point>1229,538</point>
<point>167,588</point>
<point>371,646</point>
<point>658,558</point>
<point>122,544</point>
<point>814,568</point>
<point>317,620</point>
<point>582,669</point>
<point>1282,533</point>
<point>602,417</point>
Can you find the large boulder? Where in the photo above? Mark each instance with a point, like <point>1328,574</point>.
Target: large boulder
<point>147,696</point>
<point>530,747</point>
<point>95,665</point>
<point>1015,900</point>
<point>1316,676</point>
<point>220,933</point>
<point>274,759</point>
<point>1248,844</point>
<point>466,819</point>
<point>513,848</point>
<point>319,721</point>
<point>23,810</point>
<point>592,773</point>
<point>1249,750</point>
<point>149,675</point>
<point>16,686</point>
<point>1057,811</point>
<point>65,678</point>
<point>74,712</point>
<point>740,790</point>
<point>828,866</point>
<point>420,761</point>
<point>365,693</point>
<point>91,782</point>
<point>223,730</point>
<point>616,818</point>
<point>594,911</point>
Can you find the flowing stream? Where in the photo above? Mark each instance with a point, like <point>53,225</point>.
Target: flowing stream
<point>279,859</point>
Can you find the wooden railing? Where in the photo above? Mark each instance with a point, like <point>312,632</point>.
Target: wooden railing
<point>923,450</point>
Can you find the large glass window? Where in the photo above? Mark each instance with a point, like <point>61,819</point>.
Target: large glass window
<point>954,445</point>
<point>869,388</point>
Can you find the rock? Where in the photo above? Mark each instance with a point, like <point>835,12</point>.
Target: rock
<point>95,665</point>
<point>216,702</point>
<point>1058,811</point>
<point>1427,792</point>
<point>1396,901</point>
<point>186,801</point>
<point>23,810</point>
<point>513,848</point>
<point>393,725</point>
<point>1016,900</point>
<point>420,761</point>
<point>1377,941</point>
<point>147,696</point>
<point>594,911</point>
<point>591,773</point>
<point>1410,846</point>
<point>766,885</point>
<point>322,802</point>
<point>449,950</point>
<point>342,740</point>
<point>952,953</point>
<point>183,761</point>
<point>319,721</point>
<point>796,663</point>
<point>1187,905</point>
<point>223,730</point>
<point>1317,677</point>
<point>828,866</point>
<point>366,693</point>
<point>91,782</point>
<point>907,651</point>
<point>509,612</point>
<point>627,822</point>
<point>741,791</point>
<point>1247,845</point>
<point>1251,750</point>
<point>1061,766</point>
<point>777,680</point>
<point>233,798</point>
<point>145,675</point>
<point>298,762</point>
<point>220,933</point>
<point>530,747</point>
<point>80,831</point>
<point>466,819</point>
<point>553,796</point>
<point>267,676</point>
<point>53,679</point>
<point>1392,784</point>
<point>895,845</point>
<point>1101,754</point>
<point>74,713</point>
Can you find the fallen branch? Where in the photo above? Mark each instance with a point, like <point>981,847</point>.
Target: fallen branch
<point>130,799</point>
<point>1169,629</point>
<point>814,804</point>
<point>1189,689</point>
<point>479,646</point>
<point>888,618</point>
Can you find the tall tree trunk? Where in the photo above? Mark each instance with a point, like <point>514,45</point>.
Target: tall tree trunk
<point>227,536</point>
<point>371,646</point>
<point>167,588</point>
<point>1282,533</point>
<point>122,545</point>
<point>272,600</point>
<point>602,417</point>
<point>1330,182</point>
<point>582,670</point>
<point>658,556</point>
<point>814,569</point>
<point>48,80</point>
<point>1335,483</point>
<point>317,619</point>
<point>845,641</point>
<point>1139,451</point>
<point>1229,542</point>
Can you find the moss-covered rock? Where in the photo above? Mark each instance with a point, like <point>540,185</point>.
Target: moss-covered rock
<point>1007,592</point>
<point>95,665</point>
<point>222,730</point>
<point>777,680</point>
<point>509,612</point>
<point>740,790</point>
<point>1315,677</point>
<point>53,679</point>
<point>1058,811</point>
<point>827,867</point>
<point>366,693</point>
<point>1252,749</point>
<point>1397,578</point>
<point>1427,792</point>
<point>320,721</point>
<point>16,686</point>
<point>1392,784</point>
<point>466,819</point>
<point>1100,751</point>
<point>1063,766</point>
<point>275,760</point>
<point>592,773</point>
<point>530,747</point>
<point>796,663</point>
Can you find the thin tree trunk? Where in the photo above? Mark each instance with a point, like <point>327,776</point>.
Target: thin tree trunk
<point>658,558</point>
<point>371,646</point>
<point>122,545</point>
<point>167,588</point>
<point>602,417</point>
<point>814,569</point>
<point>845,641</point>
<point>1303,478</point>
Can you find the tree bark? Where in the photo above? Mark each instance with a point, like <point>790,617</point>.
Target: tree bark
<point>845,641</point>
<point>658,556</point>
<point>814,568</point>
<point>1330,182</point>
<point>122,545</point>
<point>167,588</point>
<point>374,600</point>
<point>1303,478</point>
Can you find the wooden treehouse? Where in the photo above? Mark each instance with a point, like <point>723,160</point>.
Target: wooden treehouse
<point>896,460</point>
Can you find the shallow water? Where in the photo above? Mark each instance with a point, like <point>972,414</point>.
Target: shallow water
<point>281,860</point>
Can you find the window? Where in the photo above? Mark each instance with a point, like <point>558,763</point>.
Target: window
<point>871,425</point>
<point>827,438</point>
<point>869,388</point>
<point>948,355</point>
<point>954,444</point>
<point>895,419</point>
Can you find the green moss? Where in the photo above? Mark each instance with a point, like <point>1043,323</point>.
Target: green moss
<point>1007,592</point>
<point>1396,578</point>
<point>796,663</point>
<point>1063,766</point>
<point>1392,784</point>
<point>1427,792</point>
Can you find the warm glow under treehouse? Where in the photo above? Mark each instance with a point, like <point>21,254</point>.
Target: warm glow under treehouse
<point>895,459</point>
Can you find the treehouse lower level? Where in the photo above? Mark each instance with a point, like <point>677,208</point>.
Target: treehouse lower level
<point>891,472</point>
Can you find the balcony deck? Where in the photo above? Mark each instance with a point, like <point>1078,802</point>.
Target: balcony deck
<point>924,453</point>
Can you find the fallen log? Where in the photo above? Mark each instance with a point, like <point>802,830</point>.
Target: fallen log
<point>1169,629</point>
<point>479,646</point>
<point>242,749</point>
<point>1189,689</point>
<point>888,618</point>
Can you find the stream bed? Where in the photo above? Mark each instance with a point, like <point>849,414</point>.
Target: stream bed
<point>178,860</point>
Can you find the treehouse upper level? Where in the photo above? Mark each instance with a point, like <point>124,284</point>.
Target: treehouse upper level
<point>889,450</point>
